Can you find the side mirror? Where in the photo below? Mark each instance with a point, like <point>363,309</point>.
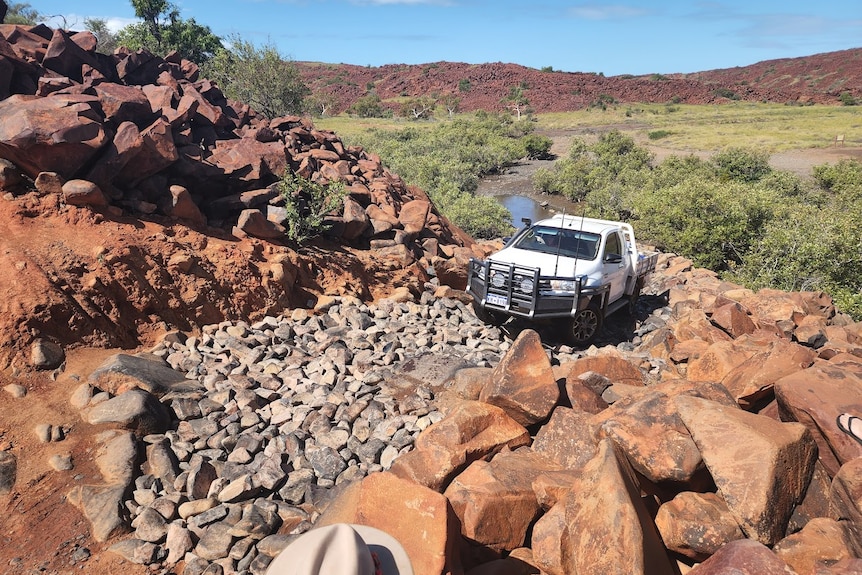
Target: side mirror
<point>613,258</point>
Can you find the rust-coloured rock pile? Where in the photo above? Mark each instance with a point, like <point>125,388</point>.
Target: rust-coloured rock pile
<point>710,447</point>
<point>145,135</point>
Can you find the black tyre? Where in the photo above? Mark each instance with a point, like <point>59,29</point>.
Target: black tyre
<point>586,325</point>
<point>632,307</point>
<point>487,316</point>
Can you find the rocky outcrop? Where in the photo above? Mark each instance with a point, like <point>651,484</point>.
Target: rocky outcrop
<point>135,126</point>
<point>352,414</point>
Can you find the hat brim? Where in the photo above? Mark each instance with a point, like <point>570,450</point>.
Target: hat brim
<point>393,558</point>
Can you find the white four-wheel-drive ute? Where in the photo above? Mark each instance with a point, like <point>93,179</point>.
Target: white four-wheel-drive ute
<point>570,268</point>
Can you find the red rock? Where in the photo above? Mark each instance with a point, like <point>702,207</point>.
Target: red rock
<point>413,216</point>
<point>569,438</point>
<point>183,206</point>
<point>811,331</point>
<point>733,319</point>
<point>720,359</point>
<point>694,324</point>
<point>157,152</point>
<point>846,501</point>
<point>689,350</point>
<point>471,431</point>
<point>494,500</point>
<point>742,557</point>
<point>83,193</point>
<point>356,221</point>
<point>249,159</point>
<point>816,501</point>
<point>206,112</point>
<point>753,380</point>
<point>614,367</point>
<point>523,383</point>
<point>649,429</point>
<point>124,104</point>
<point>86,40</point>
<point>125,145</point>
<point>419,518</point>
<point>822,542</point>
<point>66,57</point>
<point>54,134</point>
<point>582,397</point>
<point>601,526</point>
<point>696,524</point>
<point>761,467</point>
<point>815,397</point>
<point>254,223</point>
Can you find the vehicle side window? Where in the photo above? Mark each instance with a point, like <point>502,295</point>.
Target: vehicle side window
<point>613,245</point>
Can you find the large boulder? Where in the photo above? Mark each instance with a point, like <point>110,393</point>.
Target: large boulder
<point>604,505</point>
<point>523,383</point>
<point>494,500</point>
<point>648,428</point>
<point>816,396</point>
<point>472,430</point>
<point>60,133</point>
<point>419,518</point>
<point>761,467</point>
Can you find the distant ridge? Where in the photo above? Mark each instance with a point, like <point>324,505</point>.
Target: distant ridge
<point>816,79</point>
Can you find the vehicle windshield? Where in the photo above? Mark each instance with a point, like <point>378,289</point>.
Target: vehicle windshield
<point>568,243</point>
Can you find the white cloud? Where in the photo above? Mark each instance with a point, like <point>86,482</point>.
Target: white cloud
<point>606,12</point>
<point>404,2</point>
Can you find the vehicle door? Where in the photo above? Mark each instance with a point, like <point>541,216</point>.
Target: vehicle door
<point>615,261</point>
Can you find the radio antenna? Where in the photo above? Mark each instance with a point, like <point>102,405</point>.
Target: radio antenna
<point>580,238</point>
<point>559,242</point>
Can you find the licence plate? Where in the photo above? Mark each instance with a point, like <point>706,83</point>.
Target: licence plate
<point>499,300</point>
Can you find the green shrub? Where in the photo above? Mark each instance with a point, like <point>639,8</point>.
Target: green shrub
<point>369,106</point>
<point>711,222</point>
<point>307,204</point>
<point>847,99</point>
<point>446,161</point>
<point>659,134</point>
<point>742,164</point>
<point>537,147</point>
<point>726,93</point>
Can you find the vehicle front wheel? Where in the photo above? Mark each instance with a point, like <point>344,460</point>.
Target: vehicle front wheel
<point>586,324</point>
<point>487,316</point>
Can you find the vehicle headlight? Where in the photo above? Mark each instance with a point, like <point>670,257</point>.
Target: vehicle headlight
<point>498,279</point>
<point>563,285</point>
<point>480,272</point>
<point>526,285</point>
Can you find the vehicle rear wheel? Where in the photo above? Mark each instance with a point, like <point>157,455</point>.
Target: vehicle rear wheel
<point>487,316</point>
<point>632,307</point>
<point>586,324</point>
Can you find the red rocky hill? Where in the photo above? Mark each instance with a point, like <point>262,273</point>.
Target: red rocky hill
<point>820,78</point>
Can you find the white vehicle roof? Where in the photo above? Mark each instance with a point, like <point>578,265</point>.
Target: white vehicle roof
<point>572,222</point>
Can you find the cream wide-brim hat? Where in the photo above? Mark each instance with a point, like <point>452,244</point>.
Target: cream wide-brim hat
<point>342,549</point>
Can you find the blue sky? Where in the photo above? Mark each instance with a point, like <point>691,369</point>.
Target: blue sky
<point>624,37</point>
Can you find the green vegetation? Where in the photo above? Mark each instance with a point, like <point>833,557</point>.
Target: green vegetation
<point>446,160</point>
<point>106,41</point>
<point>732,213</point>
<point>770,127</point>
<point>259,77</point>
<point>659,134</point>
<point>162,31</point>
<point>22,13</point>
<point>307,204</point>
<point>847,99</point>
<point>369,106</point>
